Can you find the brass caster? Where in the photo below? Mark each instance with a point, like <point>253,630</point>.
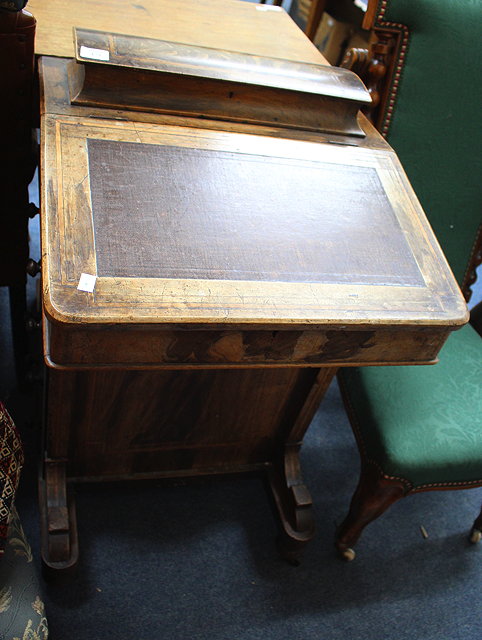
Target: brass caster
<point>475,536</point>
<point>347,554</point>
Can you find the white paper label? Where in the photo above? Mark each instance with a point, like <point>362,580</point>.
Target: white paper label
<point>86,282</point>
<point>268,7</point>
<point>94,54</point>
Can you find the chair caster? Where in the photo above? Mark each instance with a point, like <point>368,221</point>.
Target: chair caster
<point>475,536</point>
<point>347,554</point>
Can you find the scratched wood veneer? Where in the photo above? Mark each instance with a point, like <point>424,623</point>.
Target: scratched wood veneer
<point>223,24</point>
<point>142,74</point>
<point>237,266</point>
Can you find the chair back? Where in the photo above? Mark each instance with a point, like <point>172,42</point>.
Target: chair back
<point>432,113</point>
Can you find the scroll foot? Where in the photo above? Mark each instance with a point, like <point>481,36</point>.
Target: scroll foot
<point>60,551</point>
<point>293,504</point>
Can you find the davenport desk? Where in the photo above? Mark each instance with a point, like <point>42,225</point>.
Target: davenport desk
<point>240,248</point>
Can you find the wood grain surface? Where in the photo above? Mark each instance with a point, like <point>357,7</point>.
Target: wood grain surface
<point>129,72</point>
<point>106,50</point>
<point>189,422</point>
<point>57,75</point>
<point>153,347</point>
<point>222,24</point>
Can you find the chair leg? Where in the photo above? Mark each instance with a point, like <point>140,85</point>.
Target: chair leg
<point>476,533</point>
<point>372,497</point>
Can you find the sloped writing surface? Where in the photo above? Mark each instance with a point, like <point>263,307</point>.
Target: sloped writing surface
<point>282,185</point>
<point>174,212</point>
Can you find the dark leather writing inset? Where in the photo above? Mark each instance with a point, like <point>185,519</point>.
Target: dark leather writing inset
<point>175,212</point>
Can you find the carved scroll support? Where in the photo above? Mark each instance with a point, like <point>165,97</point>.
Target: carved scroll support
<point>291,496</point>
<point>294,505</point>
<point>60,549</point>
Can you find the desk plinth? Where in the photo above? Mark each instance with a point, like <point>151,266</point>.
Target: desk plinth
<point>236,268</point>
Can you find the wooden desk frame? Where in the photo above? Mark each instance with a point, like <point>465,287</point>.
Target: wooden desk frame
<point>256,357</point>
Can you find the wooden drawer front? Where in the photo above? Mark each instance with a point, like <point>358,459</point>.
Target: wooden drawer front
<point>148,347</point>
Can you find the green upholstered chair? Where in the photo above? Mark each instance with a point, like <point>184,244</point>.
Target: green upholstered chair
<point>420,428</point>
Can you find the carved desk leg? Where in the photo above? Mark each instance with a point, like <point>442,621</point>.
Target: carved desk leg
<point>60,549</point>
<point>57,508</point>
<point>291,496</point>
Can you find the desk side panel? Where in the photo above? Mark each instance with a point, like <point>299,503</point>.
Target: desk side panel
<point>120,423</point>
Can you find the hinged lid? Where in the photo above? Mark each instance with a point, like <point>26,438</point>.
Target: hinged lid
<point>191,227</point>
<point>119,71</point>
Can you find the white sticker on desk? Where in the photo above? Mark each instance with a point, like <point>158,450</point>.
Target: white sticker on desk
<point>86,282</point>
<point>268,7</point>
<point>94,54</point>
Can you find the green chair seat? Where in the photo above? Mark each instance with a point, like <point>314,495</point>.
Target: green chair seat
<point>422,424</point>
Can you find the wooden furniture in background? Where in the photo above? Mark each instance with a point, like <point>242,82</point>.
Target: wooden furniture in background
<point>317,7</point>
<point>380,66</point>
<point>17,166</point>
<point>395,58</point>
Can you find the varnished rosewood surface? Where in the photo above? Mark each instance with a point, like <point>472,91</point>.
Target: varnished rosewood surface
<point>140,424</point>
<point>58,101</point>
<point>154,347</point>
<point>135,73</point>
<point>174,422</point>
<point>104,50</point>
